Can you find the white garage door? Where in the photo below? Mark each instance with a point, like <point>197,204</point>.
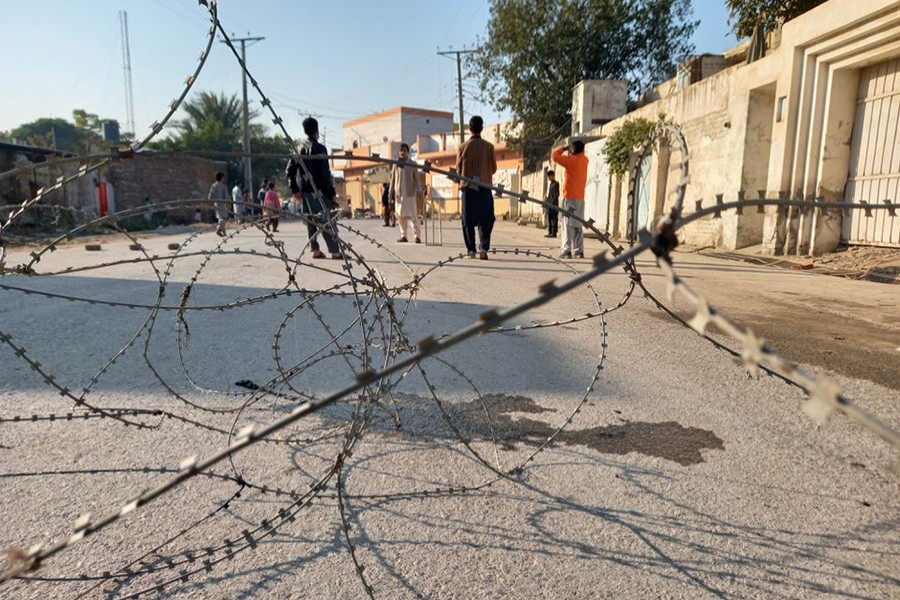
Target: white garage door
<point>875,156</point>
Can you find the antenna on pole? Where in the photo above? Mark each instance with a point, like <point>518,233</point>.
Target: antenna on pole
<point>126,65</point>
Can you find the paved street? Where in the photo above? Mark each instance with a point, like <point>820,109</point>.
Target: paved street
<point>678,476</point>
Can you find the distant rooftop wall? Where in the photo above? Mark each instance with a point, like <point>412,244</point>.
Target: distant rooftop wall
<point>399,124</point>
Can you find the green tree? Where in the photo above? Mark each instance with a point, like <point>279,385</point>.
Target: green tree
<point>93,123</point>
<point>85,120</point>
<point>212,123</point>
<point>535,52</point>
<point>268,168</point>
<point>745,15</point>
<point>622,144</point>
<point>77,137</point>
<point>52,133</point>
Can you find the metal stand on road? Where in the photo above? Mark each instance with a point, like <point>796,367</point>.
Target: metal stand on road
<point>435,218</point>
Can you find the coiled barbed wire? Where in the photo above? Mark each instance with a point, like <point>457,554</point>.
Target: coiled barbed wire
<point>382,357</point>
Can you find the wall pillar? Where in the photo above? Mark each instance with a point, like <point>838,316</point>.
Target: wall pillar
<point>833,167</point>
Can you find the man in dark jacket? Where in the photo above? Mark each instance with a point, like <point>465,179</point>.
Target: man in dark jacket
<point>552,198</point>
<point>387,205</point>
<point>313,189</point>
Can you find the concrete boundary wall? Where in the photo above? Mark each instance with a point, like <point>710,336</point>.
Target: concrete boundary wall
<point>782,124</point>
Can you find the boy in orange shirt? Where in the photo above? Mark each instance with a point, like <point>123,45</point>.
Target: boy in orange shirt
<point>575,163</point>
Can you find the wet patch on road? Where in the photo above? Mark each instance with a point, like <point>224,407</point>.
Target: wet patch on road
<point>501,417</point>
<point>668,440</point>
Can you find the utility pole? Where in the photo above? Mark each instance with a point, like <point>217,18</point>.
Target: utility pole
<point>248,172</point>
<point>459,53</point>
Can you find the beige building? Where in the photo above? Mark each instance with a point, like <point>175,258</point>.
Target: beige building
<point>432,136</point>
<point>817,117</point>
<point>440,150</point>
<point>381,134</point>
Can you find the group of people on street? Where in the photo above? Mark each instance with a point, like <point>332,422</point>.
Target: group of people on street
<point>475,160</point>
<point>312,189</point>
<point>240,208</point>
<point>313,192</point>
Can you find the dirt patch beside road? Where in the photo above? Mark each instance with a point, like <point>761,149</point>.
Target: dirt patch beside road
<point>875,264</point>
<point>840,324</point>
<point>880,265</point>
<point>843,344</point>
<point>861,258</point>
<point>840,343</point>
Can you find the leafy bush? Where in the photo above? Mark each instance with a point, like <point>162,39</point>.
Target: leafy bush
<point>620,145</point>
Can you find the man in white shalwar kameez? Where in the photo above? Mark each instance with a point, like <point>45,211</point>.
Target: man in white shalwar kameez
<point>405,186</point>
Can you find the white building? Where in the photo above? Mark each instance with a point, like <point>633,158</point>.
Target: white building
<point>382,133</point>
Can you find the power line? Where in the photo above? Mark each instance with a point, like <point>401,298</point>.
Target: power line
<point>301,102</point>
<point>312,112</point>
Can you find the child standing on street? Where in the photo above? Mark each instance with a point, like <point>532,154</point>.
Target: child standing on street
<point>272,204</point>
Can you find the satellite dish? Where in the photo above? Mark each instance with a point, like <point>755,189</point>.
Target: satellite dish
<point>384,139</point>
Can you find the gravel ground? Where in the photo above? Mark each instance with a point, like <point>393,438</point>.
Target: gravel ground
<point>862,258</point>
<point>679,476</point>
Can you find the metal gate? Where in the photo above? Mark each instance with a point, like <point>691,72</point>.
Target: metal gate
<point>875,157</point>
<point>596,192</point>
<point>642,197</point>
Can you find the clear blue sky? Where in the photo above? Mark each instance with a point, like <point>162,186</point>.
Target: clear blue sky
<point>338,59</point>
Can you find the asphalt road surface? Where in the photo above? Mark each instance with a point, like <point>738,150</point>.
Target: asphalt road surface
<point>670,473</point>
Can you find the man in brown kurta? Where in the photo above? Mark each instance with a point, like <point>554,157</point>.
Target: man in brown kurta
<point>476,159</point>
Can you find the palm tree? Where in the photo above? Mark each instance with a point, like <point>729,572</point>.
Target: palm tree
<point>208,106</point>
<point>213,122</point>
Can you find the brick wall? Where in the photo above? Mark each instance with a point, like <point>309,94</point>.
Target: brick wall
<point>162,179</point>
